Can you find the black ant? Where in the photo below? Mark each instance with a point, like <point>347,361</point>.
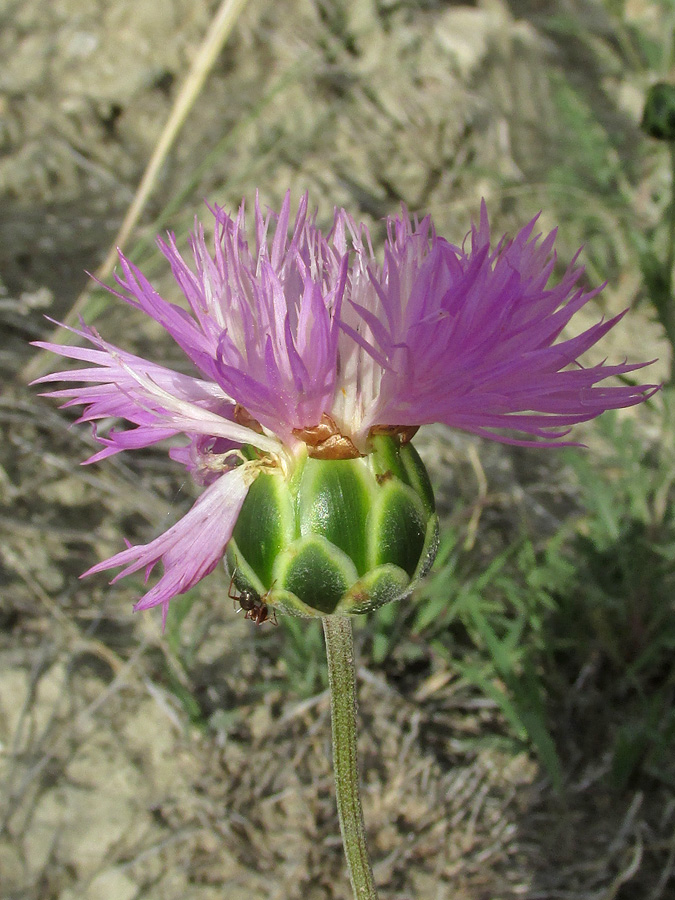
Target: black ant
<point>254,606</point>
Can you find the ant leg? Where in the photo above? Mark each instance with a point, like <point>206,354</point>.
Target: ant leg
<point>229,590</point>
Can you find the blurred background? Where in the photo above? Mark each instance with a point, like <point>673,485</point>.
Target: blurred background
<point>517,712</point>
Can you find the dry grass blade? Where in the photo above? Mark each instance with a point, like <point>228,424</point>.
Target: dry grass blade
<point>216,36</point>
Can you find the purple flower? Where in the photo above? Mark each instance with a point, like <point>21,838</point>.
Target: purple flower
<point>307,344</point>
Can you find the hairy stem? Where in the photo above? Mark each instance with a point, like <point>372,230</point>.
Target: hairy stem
<point>342,680</point>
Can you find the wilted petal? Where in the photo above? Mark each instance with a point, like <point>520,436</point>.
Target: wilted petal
<point>192,548</point>
<point>160,400</point>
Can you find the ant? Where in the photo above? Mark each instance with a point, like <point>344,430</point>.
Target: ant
<point>254,606</point>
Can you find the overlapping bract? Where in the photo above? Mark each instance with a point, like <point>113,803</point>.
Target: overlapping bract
<point>307,325</point>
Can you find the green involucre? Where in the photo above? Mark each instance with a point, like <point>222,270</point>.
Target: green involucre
<point>340,537</point>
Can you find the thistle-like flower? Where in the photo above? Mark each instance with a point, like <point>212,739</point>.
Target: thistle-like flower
<point>316,365</point>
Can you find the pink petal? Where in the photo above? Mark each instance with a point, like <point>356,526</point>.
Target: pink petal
<point>192,548</point>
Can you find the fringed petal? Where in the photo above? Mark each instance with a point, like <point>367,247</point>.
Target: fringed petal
<point>192,548</point>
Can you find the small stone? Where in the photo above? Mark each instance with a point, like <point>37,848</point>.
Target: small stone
<point>112,884</point>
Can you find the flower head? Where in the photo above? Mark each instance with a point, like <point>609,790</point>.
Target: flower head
<point>305,345</point>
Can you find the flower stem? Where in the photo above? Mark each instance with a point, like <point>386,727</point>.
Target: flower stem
<point>342,680</point>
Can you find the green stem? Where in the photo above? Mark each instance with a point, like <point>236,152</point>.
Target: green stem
<point>668,317</point>
<point>342,680</point>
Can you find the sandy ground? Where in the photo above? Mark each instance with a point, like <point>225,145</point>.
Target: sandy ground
<point>135,766</point>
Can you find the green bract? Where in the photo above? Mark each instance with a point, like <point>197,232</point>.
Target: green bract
<point>339,536</point>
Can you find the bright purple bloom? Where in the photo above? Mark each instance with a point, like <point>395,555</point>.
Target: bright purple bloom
<point>312,331</point>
